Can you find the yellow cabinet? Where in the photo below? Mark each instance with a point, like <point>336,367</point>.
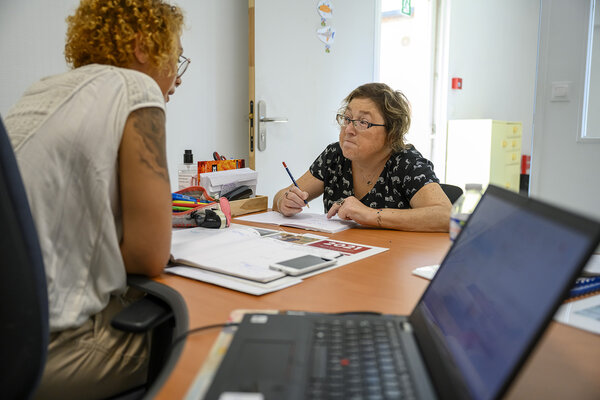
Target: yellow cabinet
<point>484,151</point>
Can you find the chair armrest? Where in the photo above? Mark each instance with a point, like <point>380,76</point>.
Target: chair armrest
<point>170,296</point>
<point>163,297</point>
<point>142,315</point>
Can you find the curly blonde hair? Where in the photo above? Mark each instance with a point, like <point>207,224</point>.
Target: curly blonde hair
<point>392,104</point>
<point>104,32</point>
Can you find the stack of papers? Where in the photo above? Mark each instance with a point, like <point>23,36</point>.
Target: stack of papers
<point>219,182</point>
<point>240,252</point>
<point>303,220</point>
<point>239,257</point>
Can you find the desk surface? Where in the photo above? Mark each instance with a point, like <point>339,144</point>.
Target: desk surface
<point>565,364</point>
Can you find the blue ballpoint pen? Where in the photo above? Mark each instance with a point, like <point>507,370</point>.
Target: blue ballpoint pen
<point>294,181</point>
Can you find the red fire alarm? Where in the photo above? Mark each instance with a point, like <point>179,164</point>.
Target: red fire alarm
<point>457,83</point>
<point>525,163</point>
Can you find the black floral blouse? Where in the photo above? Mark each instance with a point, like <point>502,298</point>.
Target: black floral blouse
<point>403,175</point>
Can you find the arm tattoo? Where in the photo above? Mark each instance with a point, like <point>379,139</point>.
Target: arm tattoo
<point>149,124</point>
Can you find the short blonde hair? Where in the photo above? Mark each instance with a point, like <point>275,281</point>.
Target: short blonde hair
<point>104,32</point>
<point>392,104</point>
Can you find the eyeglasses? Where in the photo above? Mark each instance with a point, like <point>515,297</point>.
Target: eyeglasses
<point>359,124</point>
<point>184,62</point>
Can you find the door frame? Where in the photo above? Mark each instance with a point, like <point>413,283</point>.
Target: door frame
<point>251,87</point>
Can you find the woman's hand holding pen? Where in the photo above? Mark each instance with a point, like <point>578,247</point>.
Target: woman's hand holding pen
<point>292,201</point>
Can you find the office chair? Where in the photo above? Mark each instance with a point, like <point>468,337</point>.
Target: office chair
<point>24,332</point>
<point>453,192</point>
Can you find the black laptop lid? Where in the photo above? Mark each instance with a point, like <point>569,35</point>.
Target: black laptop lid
<point>497,289</point>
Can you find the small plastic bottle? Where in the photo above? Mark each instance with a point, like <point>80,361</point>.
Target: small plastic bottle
<point>187,173</point>
<point>463,207</point>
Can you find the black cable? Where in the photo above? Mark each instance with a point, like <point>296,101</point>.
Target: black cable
<point>358,313</point>
<point>199,329</point>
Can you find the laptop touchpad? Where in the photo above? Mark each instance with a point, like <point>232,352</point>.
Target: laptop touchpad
<point>259,359</point>
<point>264,366</point>
<point>267,358</point>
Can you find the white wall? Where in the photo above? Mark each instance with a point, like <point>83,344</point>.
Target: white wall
<point>564,170</point>
<point>493,48</point>
<point>32,45</point>
<point>209,110</point>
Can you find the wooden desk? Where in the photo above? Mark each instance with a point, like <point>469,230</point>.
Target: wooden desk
<point>565,364</point>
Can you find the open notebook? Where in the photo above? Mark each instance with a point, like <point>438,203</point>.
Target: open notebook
<point>237,251</point>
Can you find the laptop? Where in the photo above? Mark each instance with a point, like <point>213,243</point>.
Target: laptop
<point>491,299</point>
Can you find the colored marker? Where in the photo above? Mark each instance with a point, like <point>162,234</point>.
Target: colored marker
<point>178,196</point>
<point>175,208</point>
<point>179,203</point>
<point>294,181</point>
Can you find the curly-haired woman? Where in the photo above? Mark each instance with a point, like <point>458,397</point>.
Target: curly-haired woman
<point>371,175</point>
<point>91,150</point>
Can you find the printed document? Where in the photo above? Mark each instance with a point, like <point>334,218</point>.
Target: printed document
<point>239,257</point>
<point>238,251</point>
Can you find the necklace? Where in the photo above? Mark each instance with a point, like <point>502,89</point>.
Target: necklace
<point>371,178</point>
<point>368,179</point>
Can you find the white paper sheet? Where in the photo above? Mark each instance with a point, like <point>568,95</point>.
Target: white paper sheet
<point>593,265</point>
<point>583,314</point>
<point>230,282</point>
<point>303,220</point>
<point>194,238</point>
<point>427,272</point>
<point>238,251</point>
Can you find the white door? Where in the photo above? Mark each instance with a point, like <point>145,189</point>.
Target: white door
<point>411,38</point>
<point>298,80</point>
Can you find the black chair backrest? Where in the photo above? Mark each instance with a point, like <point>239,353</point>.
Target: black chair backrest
<point>453,192</point>
<point>24,329</point>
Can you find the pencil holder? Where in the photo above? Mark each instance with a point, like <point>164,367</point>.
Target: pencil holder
<point>214,214</point>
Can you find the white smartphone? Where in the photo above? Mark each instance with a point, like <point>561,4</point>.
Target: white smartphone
<point>302,265</point>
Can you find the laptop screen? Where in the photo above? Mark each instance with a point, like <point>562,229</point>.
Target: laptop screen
<point>497,286</point>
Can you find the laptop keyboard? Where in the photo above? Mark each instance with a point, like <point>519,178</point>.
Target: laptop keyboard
<point>358,359</point>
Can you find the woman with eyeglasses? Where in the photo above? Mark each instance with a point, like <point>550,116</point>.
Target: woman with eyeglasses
<point>371,176</point>
<point>90,144</point>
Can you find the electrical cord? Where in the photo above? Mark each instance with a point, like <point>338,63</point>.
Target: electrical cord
<point>199,329</point>
<point>358,313</point>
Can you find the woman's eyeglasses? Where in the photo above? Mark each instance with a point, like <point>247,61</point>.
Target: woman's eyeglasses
<point>359,124</point>
<point>184,62</point>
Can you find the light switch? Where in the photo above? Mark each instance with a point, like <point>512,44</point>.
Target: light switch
<point>560,91</point>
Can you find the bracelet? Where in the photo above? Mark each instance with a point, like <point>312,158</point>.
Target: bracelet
<point>379,217</point>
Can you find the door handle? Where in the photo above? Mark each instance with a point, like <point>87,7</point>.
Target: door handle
<point>261,123</point>
<point>274,119</point>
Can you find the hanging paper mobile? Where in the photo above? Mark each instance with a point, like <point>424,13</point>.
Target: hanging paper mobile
<point>325,9</point>
<point>326,33</point>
